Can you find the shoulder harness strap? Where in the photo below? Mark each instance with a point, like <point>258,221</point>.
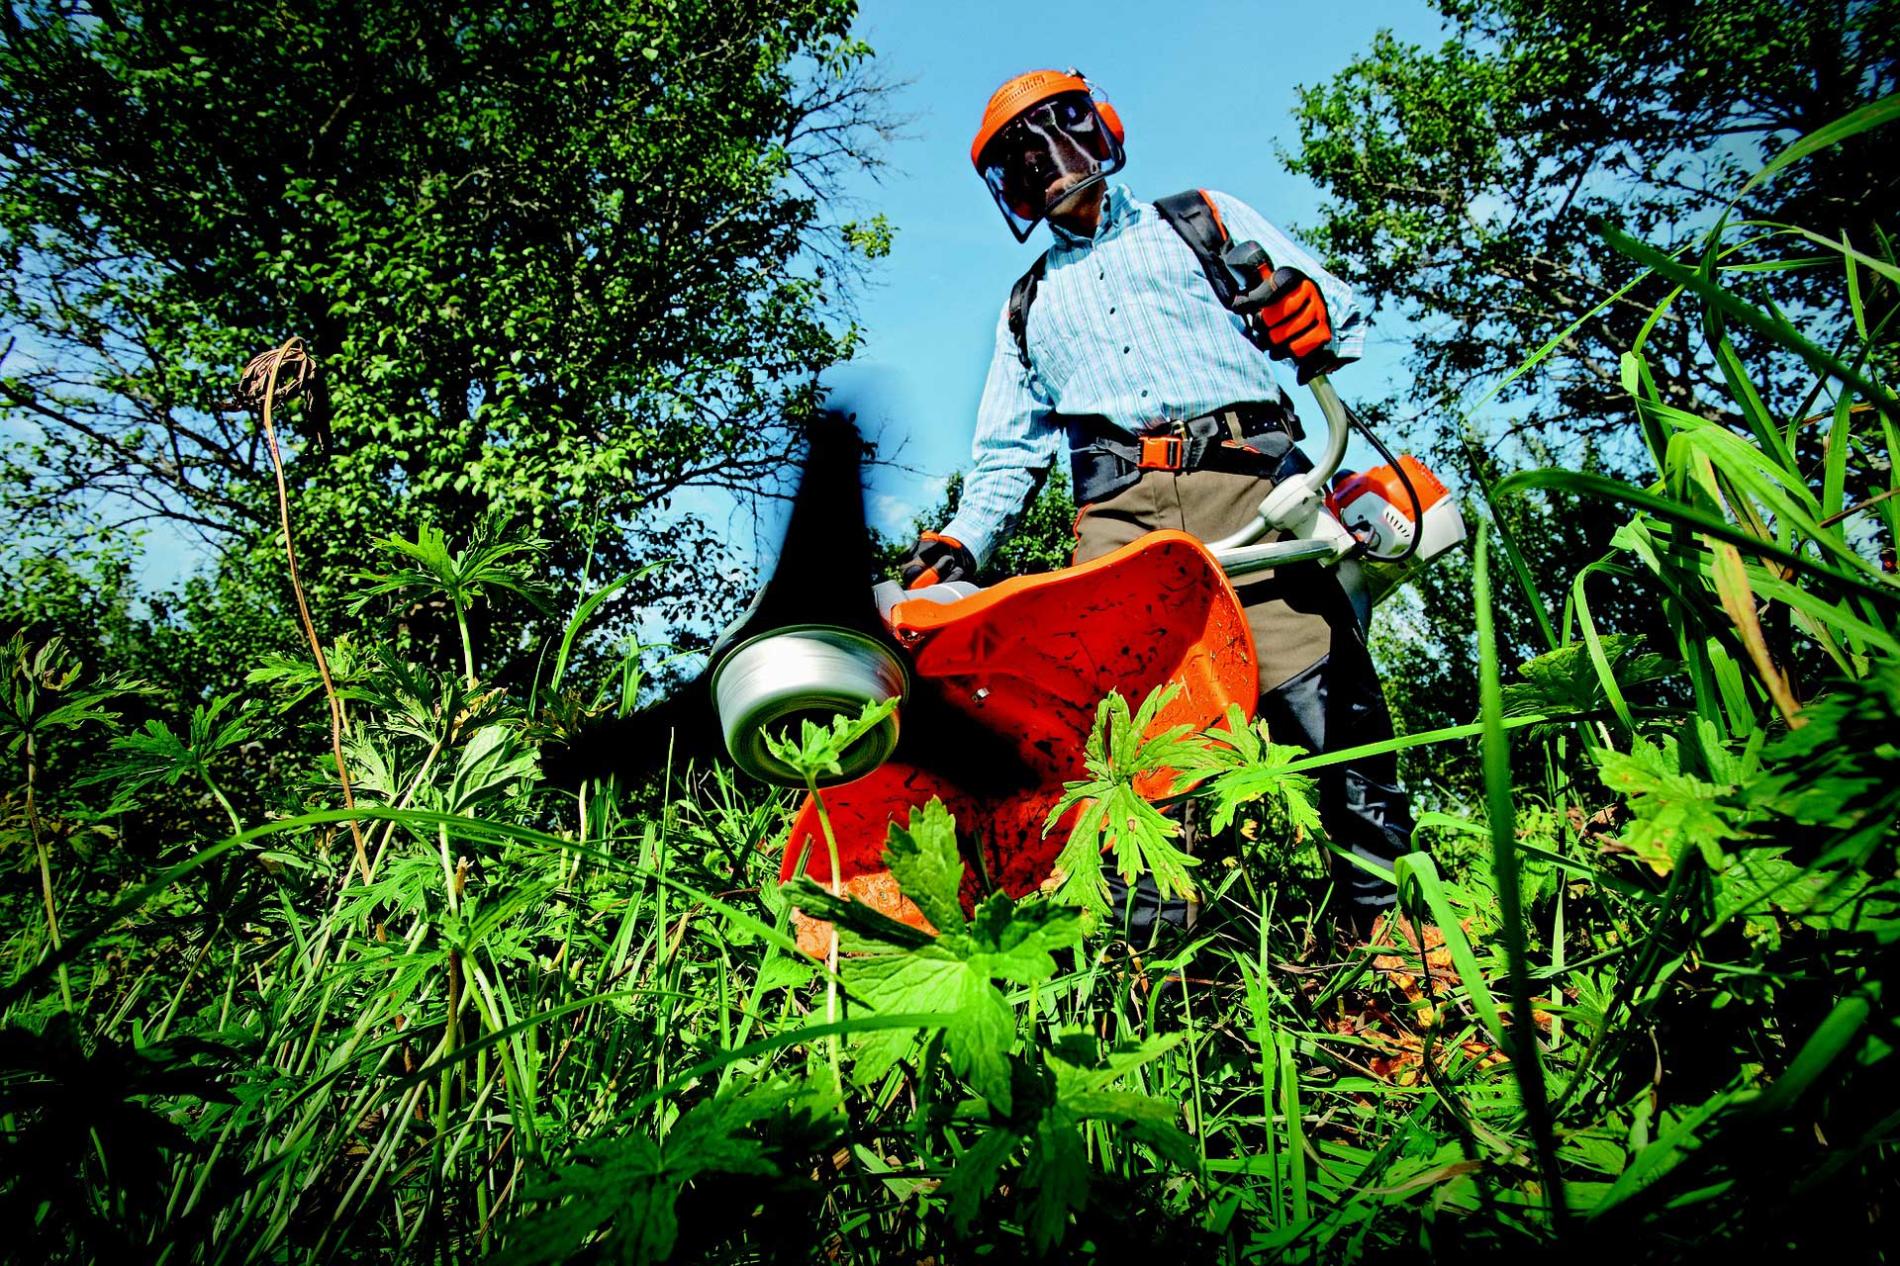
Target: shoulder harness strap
<point>1195,217</point>
<point>1021,295</point>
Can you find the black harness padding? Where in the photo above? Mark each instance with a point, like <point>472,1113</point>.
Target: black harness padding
<point>1192,216</point>
<point>1251,440</point>
<point>1021,295</point>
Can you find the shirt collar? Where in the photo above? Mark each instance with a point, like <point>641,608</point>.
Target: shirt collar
<point>1119,208</point>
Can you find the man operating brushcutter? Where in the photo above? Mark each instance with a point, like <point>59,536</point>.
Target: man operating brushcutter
<point>1132,341</point>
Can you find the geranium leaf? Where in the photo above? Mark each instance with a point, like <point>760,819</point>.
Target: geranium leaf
<point>928,868</point>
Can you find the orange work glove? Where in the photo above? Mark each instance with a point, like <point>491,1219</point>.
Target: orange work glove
<point>937,560</point>
<point>1293,314</point>
<point>1288,306</point>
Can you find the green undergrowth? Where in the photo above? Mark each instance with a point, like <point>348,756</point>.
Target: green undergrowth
<point>1632,1001</point>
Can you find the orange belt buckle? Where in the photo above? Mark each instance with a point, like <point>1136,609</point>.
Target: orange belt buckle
<point>1160,452</point>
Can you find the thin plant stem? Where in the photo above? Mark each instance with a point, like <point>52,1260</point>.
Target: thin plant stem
<point>831,952</point>
<point>1503,820</point>
<point>1857,507</point>
<point>237,827</point>
<point>303,605</point>
<point>46,865</point>
<point>468,644</point>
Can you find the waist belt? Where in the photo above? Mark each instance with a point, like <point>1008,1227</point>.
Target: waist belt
<point>1244,438</point>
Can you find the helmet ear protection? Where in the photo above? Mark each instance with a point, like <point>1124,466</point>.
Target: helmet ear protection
<point>1111,118</point>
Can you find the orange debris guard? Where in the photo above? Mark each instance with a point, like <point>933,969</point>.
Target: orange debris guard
<point>1005,687</point>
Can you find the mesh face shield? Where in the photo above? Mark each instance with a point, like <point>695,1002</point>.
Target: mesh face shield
<point>1052,150</point>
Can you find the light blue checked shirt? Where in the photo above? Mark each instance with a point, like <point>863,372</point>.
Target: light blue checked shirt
<point>1124,325</point>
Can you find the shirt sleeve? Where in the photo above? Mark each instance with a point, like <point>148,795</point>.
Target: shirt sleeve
<point>1349,320</point>
<point>1014,446</point>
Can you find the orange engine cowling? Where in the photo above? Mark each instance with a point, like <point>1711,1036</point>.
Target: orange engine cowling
<point>1016,672</point>
<point>1376,508</point>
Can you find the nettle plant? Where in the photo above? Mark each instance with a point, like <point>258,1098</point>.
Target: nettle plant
<point>1231,766</point>
<point>967,1018</point>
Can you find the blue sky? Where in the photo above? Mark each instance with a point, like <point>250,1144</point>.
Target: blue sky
<point>1206,89</point>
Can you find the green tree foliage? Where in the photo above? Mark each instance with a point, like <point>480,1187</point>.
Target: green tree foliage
<point>559,263</point>
<point>1464,182</point>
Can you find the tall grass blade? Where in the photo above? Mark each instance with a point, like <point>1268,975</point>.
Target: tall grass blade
<point>1833,1038</point>
<point>1864,579</point>
<point>1868,117</point>
<point>585,612</point>
<point>1419,882</point>
<point>1593,642</point>
<point>1774,328</point>
<point>1526,579</point>
<point>1522,1045</point>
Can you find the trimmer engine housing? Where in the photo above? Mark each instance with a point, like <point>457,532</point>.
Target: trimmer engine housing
<point>1376,508</point>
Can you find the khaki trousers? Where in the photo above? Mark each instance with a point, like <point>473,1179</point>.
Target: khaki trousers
<point>1290,618</point>
<point>1318,686</point>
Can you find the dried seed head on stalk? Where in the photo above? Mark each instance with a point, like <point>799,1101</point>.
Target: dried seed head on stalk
<point>297,378</point>
<point>296,372</point>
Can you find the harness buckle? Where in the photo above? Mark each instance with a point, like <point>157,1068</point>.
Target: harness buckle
<point>1161,452</point>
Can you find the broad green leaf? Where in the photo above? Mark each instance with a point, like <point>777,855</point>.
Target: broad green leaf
<point>1267,778</point>
<point>949,974</point>
<point>617,1195</point>
<point>928,868</point>
<point>1569,679</point>
<point>1014,942</point>
<point>975,1175</point>
<point>819,749</point>
<point>924,981</point>
<point>1112,815</point>
<point>493,758</point>
<point>1057,1177</point>
<point>1840,772</point>
<point>1672,809</point>
<point>979,1044</point>
<point>979,1030</point>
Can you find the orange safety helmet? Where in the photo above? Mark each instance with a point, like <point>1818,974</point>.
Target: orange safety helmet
<point>1016,99</point>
